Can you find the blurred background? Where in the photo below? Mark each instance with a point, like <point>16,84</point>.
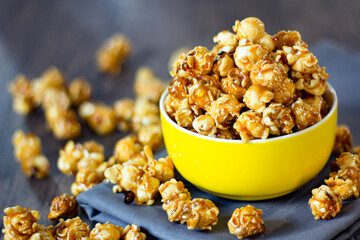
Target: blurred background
<point>39,33</point>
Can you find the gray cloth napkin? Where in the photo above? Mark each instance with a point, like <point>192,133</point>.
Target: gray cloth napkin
<point>287,217</point>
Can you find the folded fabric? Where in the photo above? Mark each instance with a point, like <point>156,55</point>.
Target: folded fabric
<point>287,217</point>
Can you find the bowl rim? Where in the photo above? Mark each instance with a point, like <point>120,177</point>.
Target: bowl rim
<point>330,89</point>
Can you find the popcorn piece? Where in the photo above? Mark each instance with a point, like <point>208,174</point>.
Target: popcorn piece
<point>176,55</point>
<point>19,223</point>
<point>79,91</point>
<point>43,233</point>
<point>346,160</point>
<point>197,62</point>
<point>256,98</point>
<point>63,123</point>
<point>63,206</point>
<point>224,110</point>
<point>151,136</point>
<point>106,231</point>
<point>147,85</point>
<point>289,38</point>
<point>85,179</point>
<point>250,28</point>
<point>246,221</point>
<point>197,213</point>
<point>205,125</point>
<point>343,140</point>
<point>146,113</point>
<point>126,147</point>
<point>202,94</point>
<point>163,169</point>
<point>112,53</point>
<point>100,117</point>
<point>223,64</point>
<point>314,83</point>
<point>227,41</point>
<point>71,229</point>
<point>250,126</point>
<point>268,73</point>
<point>246,55</point>
<point>27,149</point>
<point>124,111</point>
<point>184,117</point>
<point>235,83</point>
<point>345,182</point>
<point>133,233</point>
<point>56,97</point>
<point>278,119</point>
<point>20,89</point>
<point>300,59</point>
<point>325,203</point>
<point>305,114</point>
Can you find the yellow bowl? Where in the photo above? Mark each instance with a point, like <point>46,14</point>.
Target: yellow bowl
<point>257,170</point>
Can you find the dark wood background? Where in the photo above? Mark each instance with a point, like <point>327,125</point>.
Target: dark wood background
<point>39,33</point>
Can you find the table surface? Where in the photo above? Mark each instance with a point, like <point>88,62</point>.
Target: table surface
<point>39,33</point>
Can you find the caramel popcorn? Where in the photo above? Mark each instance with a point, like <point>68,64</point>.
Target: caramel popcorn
<point>106,231</point>
<point>151,136</point>
<point>63,123</point>
<point>258,70</point>
<point>346,160</point>
<point>71,229</point>
<point>163,169</point>
<point>246,221</point>
<point>27,149</point>
<point>85,179</point>
<point>20,89</point>
<point>43,233</point>
<point>63,206</point>
<point>55,97</point>
<point>250,125</point>
<point>325,203</point>
<point>19,223</point>
<point>147,85</point>
<point>278,118</point>
<point>79,91</point>
<point>197,62</point>
<point>345,182</point>
<point>74,157</point>
<point>100,117</point>
<point>126,147</point>
<point>175,56</point>
<point>133,233</point>
<point>146,113</point>
<point>197,213</point>
<point>112,53</point>
<point>343,140</point>
<point>124,111</point>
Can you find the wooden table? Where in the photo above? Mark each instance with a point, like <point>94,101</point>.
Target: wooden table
<point>39,33</point>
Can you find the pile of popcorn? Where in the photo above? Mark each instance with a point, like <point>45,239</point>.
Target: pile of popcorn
<point>251,85</point>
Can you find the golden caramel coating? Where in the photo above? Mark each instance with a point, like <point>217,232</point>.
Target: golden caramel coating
<point>343,140</point>
<point>197,62</point>
<point>63,206</point>
<point>71,229</point>
<point>205,125</point>
<point>224,110</point>
<point>151,135</point>
<point>278,118</point>
<point>346,160</point>
<point>175,55</point>
<point>250,28</point>
<point>318,102</point>
<point>324,203</point>
<point>267,42</point>
<point>74,157</point>
<point>201,213</point>
<point>246,221</point>
<point>203,94</point>
<point>227,41</point>
<point>345,182</point>
<point>19,223</point>
<point>133,233</point>
<point>79,91</point>
<point>179,88</point>
<point>126,147</point>
<point>184,117</point>
<point>56,97</point>
<point>250,126</point>
<point>256,98</point>
<point>173,104</point>
<point>163,169</point>
<point>112,53</point>
<point>146,189</point>
<point>300,59</point>
<point>43,233</point>
<point>226,134</point>
<point>288,38</point>
<point>100,117</point>
<point>147,85</point>
<point>173,189</point>
<point>247,55</point>
<point>146,113</point>
<point>235,83</point>
<point>20,89</point>
<point>313,83</point>
<point>268,73</point>
<point>27,150</point>
<point>85,179</point>
<point>50,78</point>
<point>124,111</point>
<point>106,231</point>
<point>63,123</point>
<point>223,64</point>
<point>305,114</point>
